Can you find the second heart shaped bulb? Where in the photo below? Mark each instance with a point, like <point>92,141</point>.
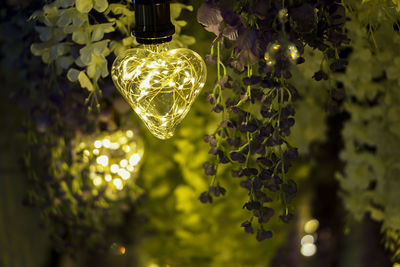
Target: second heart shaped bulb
<point>160,84</point>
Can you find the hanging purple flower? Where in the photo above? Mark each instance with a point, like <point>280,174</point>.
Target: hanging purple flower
<point>304,18</point>
<point>210,17</point>
<point>260,8</point>
<point>231,18</point>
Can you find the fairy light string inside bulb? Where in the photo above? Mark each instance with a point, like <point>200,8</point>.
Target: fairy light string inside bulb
<point>159,83</point>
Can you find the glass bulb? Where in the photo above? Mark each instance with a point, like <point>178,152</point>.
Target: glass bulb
<point>160,84</point>
<point>277,51</point>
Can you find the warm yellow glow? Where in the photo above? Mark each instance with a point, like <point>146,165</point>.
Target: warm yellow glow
<point>134,159</point>
<point>293,52</point>
<point>307,239</point>
<point>118,183</point>
<point>123,140</point>
<point>126,149</point>
<point>118,249</point>
<point>124,174</point>
<point>108,178</point>
<point>115,146</point>
<point>159,84</point>
<point>274,49</point>
<point>114,168</point>
<point>129,134</point>
<point>396,265</point>
<point>122,250</point>
<point>123,163</point>
<point>106,143</point>
<point>276,46</point>
<point>283,15</point>
<point>308,250</point>
<point>97,144</point>
<point>97,181</point>
<point>102,160</point>
<point>111,159</point>
<point>311,226</point>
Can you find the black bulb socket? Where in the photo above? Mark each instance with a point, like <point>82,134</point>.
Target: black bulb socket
<point>152,21</point>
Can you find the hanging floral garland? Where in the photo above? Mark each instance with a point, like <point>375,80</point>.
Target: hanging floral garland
<point>81,164</point>
<point>256,47</point>
<point>256,44</point>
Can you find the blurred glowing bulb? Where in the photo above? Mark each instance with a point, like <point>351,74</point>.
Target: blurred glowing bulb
<point>102,160</point>
<point>276,52</point>
<point>118,249</point>
<point>129,134</point>
<point>293,52</point>
<point>114,168</point>
<point>97,144</point>
<point>311,226</point>
<point>108,178</point>
<point>126,149</point>
<point>307,239</point>
<point>106,143</point>
<point>111,165</point>
<point>308,250</point>
<point>97,181</point>
<point>124,174</point>
<point>115,146</point>
<point>123,140</point>
<point>135,158</point>
<point>123,163</point>
<point>157,82</point>
<point>118,183</point>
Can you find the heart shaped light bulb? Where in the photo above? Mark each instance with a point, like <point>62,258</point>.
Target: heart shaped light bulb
<point>160,84</point>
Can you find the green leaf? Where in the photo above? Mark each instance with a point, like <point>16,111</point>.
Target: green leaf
<point>100,48</point>
<point>36,49</point>
<point>79,62</point>
<point>79,19</point>
<point>97,34</point>
<point>84,6</point>
<point>93,71</point>
<point>73,74</point>
<point>176,9</point>
<point>66,17</point>
<point>65,3</point>
<point>80,37</point>
<point>65,61</point>
<point>118,9</point>
<point>100,5</point>
<point>54,52</point>
<point>44,33</point>
<point>187,40</point>
<point>86,55</point>
<point>99,30</point>
<point>85,81</point>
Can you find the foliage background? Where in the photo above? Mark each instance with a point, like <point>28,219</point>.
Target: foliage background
<point>168,225</point>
